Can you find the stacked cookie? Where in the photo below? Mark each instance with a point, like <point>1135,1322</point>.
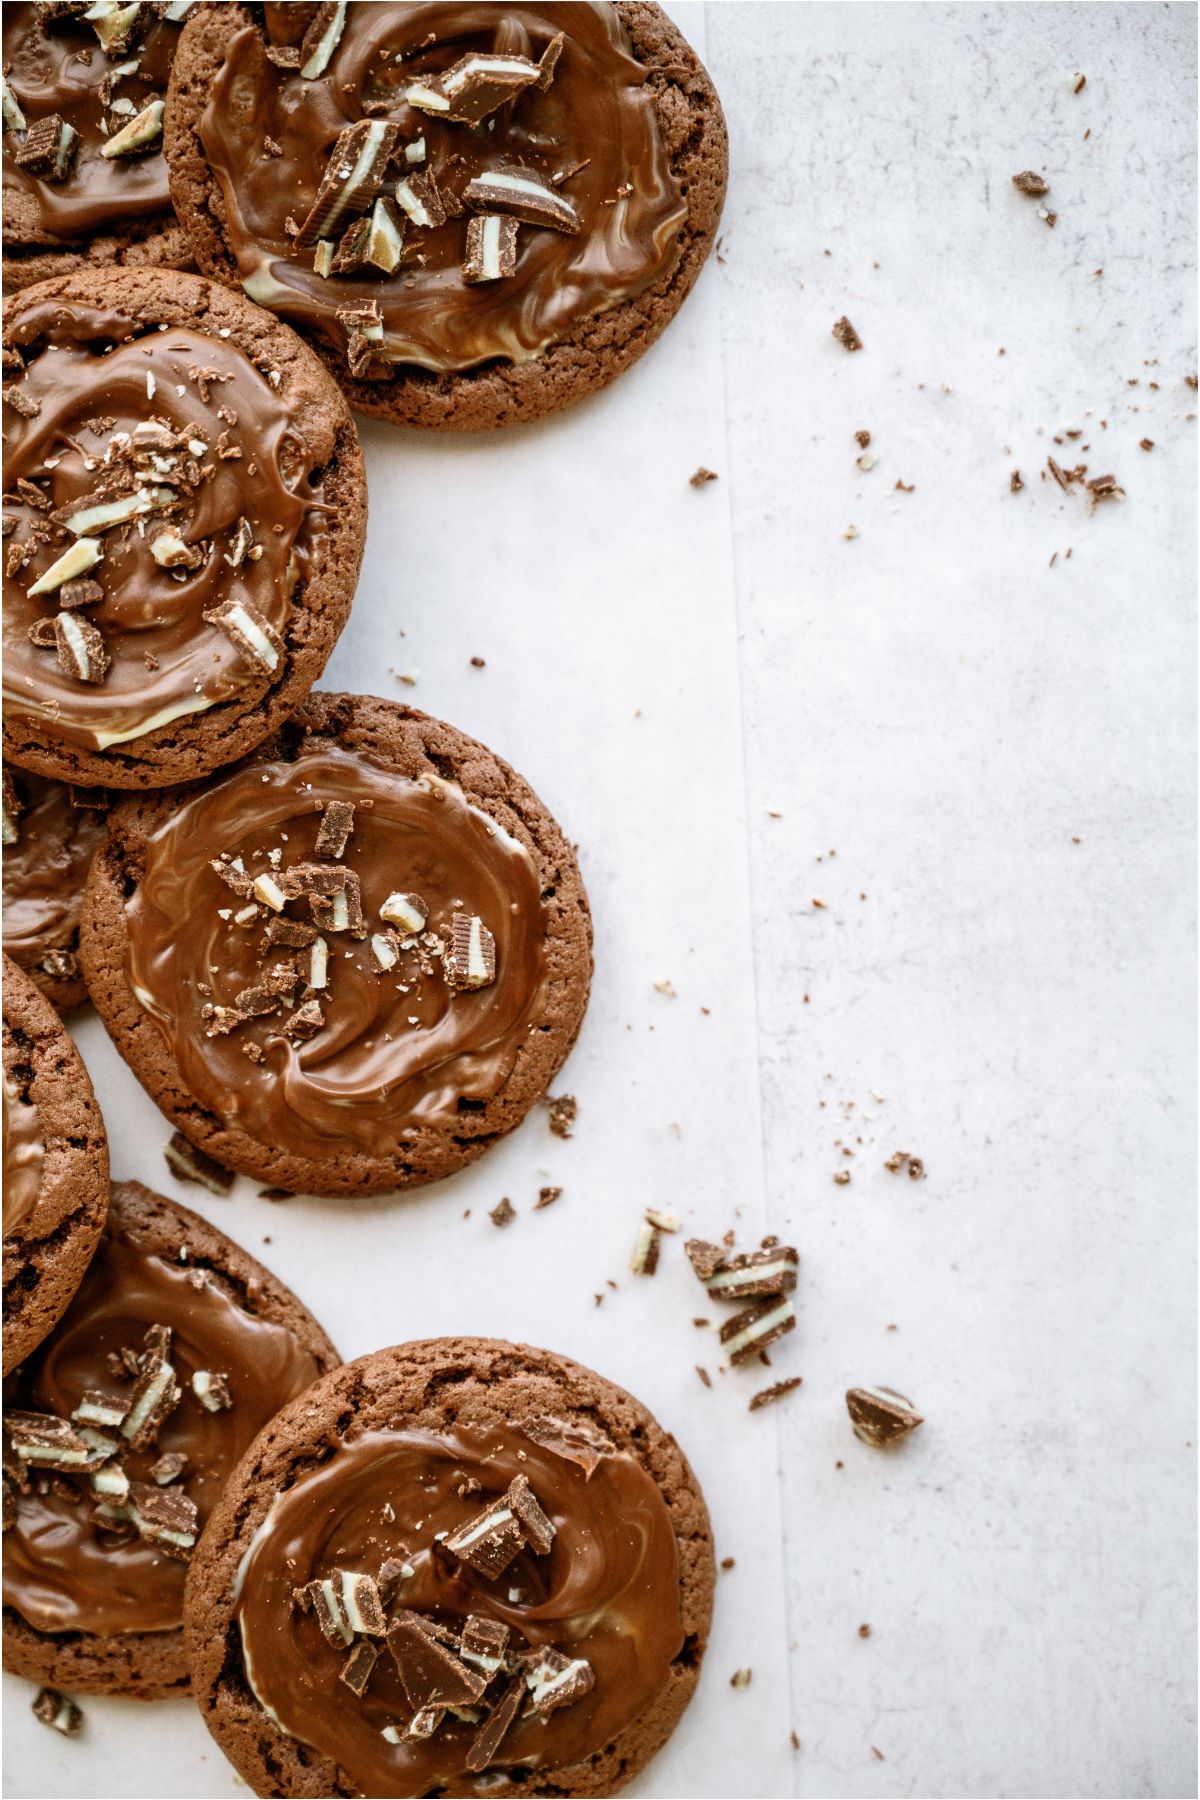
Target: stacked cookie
<point>342,945</point>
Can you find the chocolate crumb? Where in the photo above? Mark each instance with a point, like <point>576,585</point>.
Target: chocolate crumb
<point>563,1109</point>
<point>477,662</point>
<point>58,1711</point>
<point>862,439</point>
<point>741,1680</point>
<point>546,1197</point>
<point>704,1375</point>
<point>793,1740</point>
<point>1015,484</point>
<point>1146,444</point>
<point>727,1562</point>
<point>846,335</point>
<point>767,1396</point>
<point>702,477</point>
<point>503,1214</point>
<point>864,1631</point>
<point>1030,182</point>
<point>187,1162</point>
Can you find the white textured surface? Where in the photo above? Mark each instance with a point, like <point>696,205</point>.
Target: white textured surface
<point>948,713</point>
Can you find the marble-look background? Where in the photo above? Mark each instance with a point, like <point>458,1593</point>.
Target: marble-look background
<point>981,764</point>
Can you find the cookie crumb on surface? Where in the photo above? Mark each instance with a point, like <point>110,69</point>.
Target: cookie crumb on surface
<point>58,1711</point>
<point>563,1109</point>
<point>846,335</point>
<point>504,1213</point>
<point>702,477</point>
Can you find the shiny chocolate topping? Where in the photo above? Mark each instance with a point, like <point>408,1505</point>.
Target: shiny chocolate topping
<point>606,1592</point>
<point>589,134</point>
<point>170,469</point>
<point>395,1046</point>
<point>24,1153</point>
<point>45,867</point>
<point>63,1571</point>
<point>60,69</point>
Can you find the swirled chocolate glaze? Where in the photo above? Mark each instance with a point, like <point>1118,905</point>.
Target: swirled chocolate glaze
<point>596,112</point>
<point>395,1046</point>
<point>61,68</point>
<point>45,869</point>
<point>607,1591</point>
<point>24,1153</point>
<point>62,1571</point>
<point>110,411</point>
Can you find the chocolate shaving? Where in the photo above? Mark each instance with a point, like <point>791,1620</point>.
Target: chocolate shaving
<point>491,1734</point>
<point>768,1396</point>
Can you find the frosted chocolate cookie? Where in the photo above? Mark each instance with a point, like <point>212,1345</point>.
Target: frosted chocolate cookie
<point>479,213</point>
<point>120,1433</point>
<point>184,516</point>
<point>350,963</point>
<point>85,180</point>
<point>50,834</point>
<point>455,1567</point>
<point>55,1167</point>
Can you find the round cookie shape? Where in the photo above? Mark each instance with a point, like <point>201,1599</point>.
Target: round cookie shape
<point>85,180</point>
<point>350,963</point>
<point>51,832</point>
<point>537,1553</point>
<point>190,513</point>
<point>55,1167</point>
<point>479,214</point>
<point>175,1351</point>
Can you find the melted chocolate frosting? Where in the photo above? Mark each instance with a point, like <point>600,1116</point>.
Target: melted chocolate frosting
<point>395,1047</point>
<point>607,1591</point>
<point>596,112</point>
<point>62,1572</point>
<point>24,1153</point>
<point>61,68</point>
<point>237,456</point>
<point>44,871</point>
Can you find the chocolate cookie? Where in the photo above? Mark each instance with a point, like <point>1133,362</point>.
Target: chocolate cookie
<point>349,964</point>
<point>121,1432</point>
<point>50,835</point>
<point>55,1167</point>
<point>85,180</point>
<point>460,1566</point>
<point>186,511</point>
<point>478,213</point>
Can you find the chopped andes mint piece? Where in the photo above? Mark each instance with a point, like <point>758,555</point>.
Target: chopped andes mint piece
<point>49,148</point>
<point>741,1679</point>
<point>255,1002</point>
<point>846,335</point>
<point>469,959</point>
<point>219,1021</point>
<point>705,1258</point>
<point>232,871</point>
<point>305,1022</point>
<point>170,552</point>
<point>118,27</point>
<point>1029,182</point>
<point>98,512</point>
<point>140,134</point>
<point>98,1408</point>
<point>503,1213</point>
<point>211,1388</point>
<point>14,119</point>
<point>385,951</point>
<point>155,1395</point>
<point>556,1680</point>
<point>575,1440</point>
<point>538,1529</point>
<point>168,1468</point>
<point>248,631</point>
<point>546,1197</point>
<point>1104,487</point>
<point>79,644</point>
<point>563,1111</point>
<point>58,1711</point>
<point>22,402</point>
<point>240,544</point>
<point>484,1643</point>
<point>757,1328</point>
<point>79,593</point>
<point>474,87</point>
<point>346,1605</point>
<point>42,1441</point>
<point>419,197</point>
<point>662,1221</point>
<point>341,910</point>
<point>491,1733</point>
<point>290,933</point>
<point>348,255</point>
<point>322,38</point>
<point>110,1482</point>
<point>376,241</point>
<point>303,880</point>
<point>408,911</point>
<point>187,1162</point>
<point>164,1516</point>
<point>281,979</point>
<point>337,823</point>
<point>881,1416</point>
<point>777,1390</point>
<point>73,562</point>
<point>767,1271</point>
<point>352,178</point>
<point>317,975</point>
<point>425,1721</point>
<point>646,1248</point>
<point>490,1539</point>
<point>525,195</point>
<point>356,1670</point>
<point>430,1671</point>
<point>491,248</point>
<point>269,891</point>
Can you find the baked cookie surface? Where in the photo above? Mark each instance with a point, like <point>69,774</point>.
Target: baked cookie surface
<point>386,957</point>
<point>479,214</point>
<point>85,180</point>
<point>55,1167</point>
<point>188,508</point>
<point>51,832</point>
<point>175,1351</point>
<point>460,1566</point>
